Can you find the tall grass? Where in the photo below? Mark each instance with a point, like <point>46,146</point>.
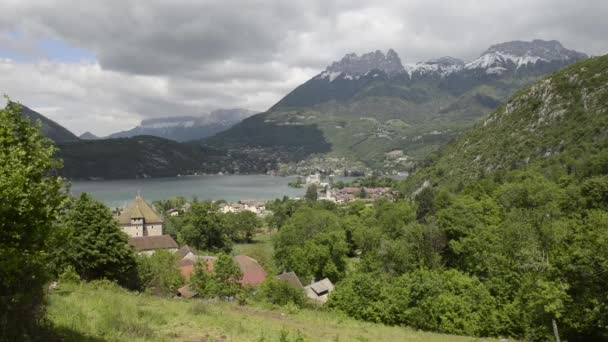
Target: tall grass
<point>101,311</point>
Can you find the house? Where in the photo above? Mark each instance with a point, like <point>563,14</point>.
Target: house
<point>291,278</point>
<point>256,207</point>
<point>187,267</point>
<point>150,244</point>
<point>173,212</point>
<point>140,219</point>
<point>253,273</point>
<point>319,291</point>
<point>186,253</point>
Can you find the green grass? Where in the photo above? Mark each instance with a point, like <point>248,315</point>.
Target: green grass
<point>104,312</point>
<point>261,249</point>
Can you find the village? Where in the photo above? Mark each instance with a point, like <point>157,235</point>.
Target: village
<point>144,226</point>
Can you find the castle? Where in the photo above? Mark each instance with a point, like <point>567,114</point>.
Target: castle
<point>140,219</point>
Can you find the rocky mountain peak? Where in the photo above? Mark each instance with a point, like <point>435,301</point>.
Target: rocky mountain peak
<point>352,64</point>
<point>516,54</point>
<point>548,50</point>
<point>446,61</point>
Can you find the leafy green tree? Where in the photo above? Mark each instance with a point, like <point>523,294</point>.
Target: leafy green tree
<point>312,244</point>
<point>94,244</point>
<point>426,203</point>
<point>311,193</point>
<point>158,273</point>
<point>163,206</point>
<point>281,210</point>
<point>203,228</point>
<point>222,281</point>
<point>30,200</point>
<point>241,225</point>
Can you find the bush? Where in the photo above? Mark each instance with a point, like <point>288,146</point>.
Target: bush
<point>158,273</point>
<point>281,293</point>
<point>444,301</point>
<point>94,244</point>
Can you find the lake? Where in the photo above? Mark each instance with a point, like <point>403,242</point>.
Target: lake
<point>232,188</point>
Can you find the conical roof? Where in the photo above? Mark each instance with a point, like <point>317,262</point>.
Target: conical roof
<point>138,210</point>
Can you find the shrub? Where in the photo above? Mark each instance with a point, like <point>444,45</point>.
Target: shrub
<point>158,274</point>
<point>281,293</point>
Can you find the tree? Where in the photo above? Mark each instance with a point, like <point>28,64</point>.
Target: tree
<point>158,274</point>
<point>426,203</point>
<point>363,193</point>
<point>241,225</point>
<point>202,228</point>
<point>312,244</point>
<point>30,200</point>
<point>222,281</point>
<point>94,244</point>
<point>311,193</point>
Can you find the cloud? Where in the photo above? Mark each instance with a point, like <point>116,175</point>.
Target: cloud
<point>161,58</point>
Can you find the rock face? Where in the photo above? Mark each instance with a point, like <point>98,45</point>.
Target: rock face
<point>497,59</point>
<point>354,65</point>
<point>187,128</point>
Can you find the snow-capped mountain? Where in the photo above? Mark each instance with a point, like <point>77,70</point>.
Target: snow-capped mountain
<point>186,128</point>
<point>498,59</point>
<point>361,107</point>
<point>520,54</point>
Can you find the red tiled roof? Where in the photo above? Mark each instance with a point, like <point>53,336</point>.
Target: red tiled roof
<point>253,273</point>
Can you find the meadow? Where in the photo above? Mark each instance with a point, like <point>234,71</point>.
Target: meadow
<point>102,311</point>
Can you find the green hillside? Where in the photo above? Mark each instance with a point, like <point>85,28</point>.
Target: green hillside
<point>559,126</point>
<point>96,312</point>
<point>386,115</point>
<point>49,128</point>
<point>148,156</point>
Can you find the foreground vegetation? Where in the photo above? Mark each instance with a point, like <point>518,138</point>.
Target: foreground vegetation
<point>101,311</point>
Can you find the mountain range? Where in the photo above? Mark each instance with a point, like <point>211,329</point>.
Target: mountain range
<point>186,128</point>
<point>364,107</point>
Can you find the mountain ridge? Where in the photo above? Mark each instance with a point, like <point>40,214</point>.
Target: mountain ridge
<point>187,128</point>
<point>49,128</point>
<point>366,106</point>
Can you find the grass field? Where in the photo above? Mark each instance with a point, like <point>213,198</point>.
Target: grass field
<point>260,249</point>
<point>104,312</point>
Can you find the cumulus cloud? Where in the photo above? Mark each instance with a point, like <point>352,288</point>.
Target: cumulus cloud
<point>166,58</point>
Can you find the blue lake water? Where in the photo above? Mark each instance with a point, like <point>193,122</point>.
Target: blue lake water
<point>116,193</point>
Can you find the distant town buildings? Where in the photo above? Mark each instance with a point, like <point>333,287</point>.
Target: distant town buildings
<point>350,194</point>
<point>256,207</point>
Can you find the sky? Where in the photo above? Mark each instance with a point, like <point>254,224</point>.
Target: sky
<point>103,66</point>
